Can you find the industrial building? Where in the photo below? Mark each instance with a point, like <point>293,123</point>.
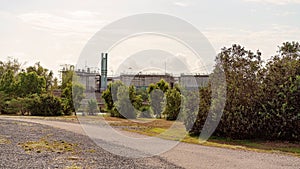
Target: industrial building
<point>144,80</point>
<point>89,79</point>
<point>95,83</point>
<point>193,81</point>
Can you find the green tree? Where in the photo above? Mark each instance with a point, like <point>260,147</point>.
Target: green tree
<point>30,83</point>
<point>8,83</point>
<point>67,76</point>
<point>19,105</point>
<point>241,117</point>
<point>242,69</point>
<point>173,104</point>
<point>92,107</point>
<point>136,100</point>
<point>191,107</point>
<point>42,72</point>
<point>143,93</point>
<point>45,105</point>
<point>11,64</point>
<point>156,98</point>
<point>123,104</point>
<point>110,97</point>
<point>281,86</point>
<point>72,96</point>
<point>195,119</point>
<point>3,99</point>
<point>55,84</point>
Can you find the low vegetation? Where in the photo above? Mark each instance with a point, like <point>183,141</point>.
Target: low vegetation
<point>262,99</point>
<point>29,91</point>
<point>45,145</point>
<point>4,140</point>
<point>158,128</point>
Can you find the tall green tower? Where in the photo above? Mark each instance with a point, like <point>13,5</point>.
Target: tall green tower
<point>103,71</point>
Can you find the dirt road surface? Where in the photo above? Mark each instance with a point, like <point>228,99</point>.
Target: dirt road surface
<point>197,156</point>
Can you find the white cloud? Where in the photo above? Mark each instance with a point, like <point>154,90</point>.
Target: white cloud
<point>181,4</point>
<point>66,23</point>
<point>286,13</point>
<point>266,40</point>
<point>276,2</point>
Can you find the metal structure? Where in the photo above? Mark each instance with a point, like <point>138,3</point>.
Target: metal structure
<point>88,79</point>
<point>103,71</point>
<point>144,80</point>
<point>193,81</point>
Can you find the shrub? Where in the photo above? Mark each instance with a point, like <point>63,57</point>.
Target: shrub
<point>92,107</point>
<point>123,104</point>
<point>173,104</point>
<point>46,105</point>
<point>262,101</point>
<point>19,106</point>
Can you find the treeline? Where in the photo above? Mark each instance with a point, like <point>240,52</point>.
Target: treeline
<point>29,91</point>
<point>262,98</point>
<point>157,101</point>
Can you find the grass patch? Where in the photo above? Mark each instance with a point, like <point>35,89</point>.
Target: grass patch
<point>23,123</point>
<point>73,167</point>
<point>159,128</point>
<point>91,151</point>
<point>43,145</point>
<point>4,140</point>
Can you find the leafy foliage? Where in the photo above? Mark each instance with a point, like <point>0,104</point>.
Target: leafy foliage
<point>156,97</point>
<point>45,105</point>
<point>30,83</point>
<point>42,72</point>
<point>3,99</point>
<point>123,104</point>
<point>72,95</point>
<point>19,105</point>
<point>28,91</point>
<point>110,97</point>
<point>173,104</point>
<point>281,85</point>
<point>8,82</point>
<point>262,101</point>
<point>92,107</point>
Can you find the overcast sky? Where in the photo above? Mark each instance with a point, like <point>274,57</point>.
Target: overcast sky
<point>54,32</point>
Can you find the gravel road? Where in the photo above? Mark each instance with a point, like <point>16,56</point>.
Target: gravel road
<point>85,155</point>
<point>183,155</point>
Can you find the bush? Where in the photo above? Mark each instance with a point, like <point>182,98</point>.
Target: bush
<point>145,112</point>
<point>262,102</point>
<point>3,99</point>
<point>110,97</point>
<point>123,104</point>
<point>173,104</point>
<point>92,107</point>
<point>195,119</point>
<point>19,106</point>
<point>46,105</point>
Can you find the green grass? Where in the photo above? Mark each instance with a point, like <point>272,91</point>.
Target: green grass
<point>73,167</point>
<point>43,145</point>
<point>158,128</point>
<point>178,132</point>
<point>4,140</point>
<point>251,145</point>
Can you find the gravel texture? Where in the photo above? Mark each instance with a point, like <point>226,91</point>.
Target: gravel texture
<point>185,155</point>
<point>83,154</point>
